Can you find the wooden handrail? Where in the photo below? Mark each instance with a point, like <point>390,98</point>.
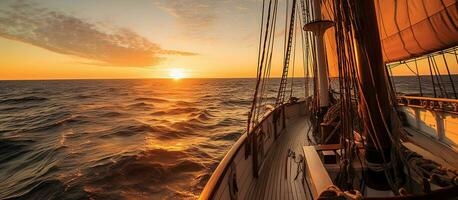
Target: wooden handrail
<point>429,103</point>
<point>429,99</point>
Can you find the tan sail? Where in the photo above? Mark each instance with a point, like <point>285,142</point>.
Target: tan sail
<point>408,28</point>
<point>411,28</point>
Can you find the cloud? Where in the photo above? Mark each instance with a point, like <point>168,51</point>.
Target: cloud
<point>193,15</point>
<point>66,34</point>
<point>197,16</point>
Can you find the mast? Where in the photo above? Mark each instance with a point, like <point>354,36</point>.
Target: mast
<point>375,103</point>
<point>322,74</point>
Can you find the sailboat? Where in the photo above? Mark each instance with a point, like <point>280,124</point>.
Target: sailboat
<point>359,139</point>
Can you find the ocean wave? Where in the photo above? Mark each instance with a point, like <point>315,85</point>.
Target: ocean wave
<point>41,165</point>
<point>189,126</point>
<point>151,99</point>
<point>229,122</point>
<point>7,108</point>
<point>231,136</point>
<point>149,172</point>
<point>54,121</point>
<point>22,100</point>
<point>141,105</point>
<point>203,115</point>
<point>128,129</point>
<point>11,149</point>
<point>237,102</point>
<point>198,153</point>
<point>179,111</point>
<point>86,96</point>
<point>186,166</point>
<point>111,114</point>
<point>50,189</point>
<point>158,113</point>
<point>168,133</point>
<point>184,103</point>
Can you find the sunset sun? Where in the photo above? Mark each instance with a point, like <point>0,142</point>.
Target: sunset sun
<point>177,73</point>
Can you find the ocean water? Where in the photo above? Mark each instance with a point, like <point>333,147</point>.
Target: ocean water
<point>117,139</point>
<point>411,85</point>
<point>121,139</point>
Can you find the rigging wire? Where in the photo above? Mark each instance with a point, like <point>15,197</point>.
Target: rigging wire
<point>304,61</point>
<point>313,54</point>
<point>432,77</point>
<point>307,59</point>
<point>416,74</point>
<point>441,86</point>
<point>260,35</point>
<point>408,67</point>
<point>308,53</point>
<point>259,74</point>
<point>439,78</point>
<point>456,55</point>
<point>263,96</point>
<point>294,53</point>
<point>449,75</point>
<point>286,61</point>
<point>419,77</point>
<point>286,29</point>
<point>392,78</point>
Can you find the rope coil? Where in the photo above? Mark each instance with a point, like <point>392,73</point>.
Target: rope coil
<point>333,192</point>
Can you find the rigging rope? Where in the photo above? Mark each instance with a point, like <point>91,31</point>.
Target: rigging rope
<point>284,78</point>
<point>449,75</point>
<point>392,79</point>
<point>347,28</point>
<point>441,87</point>
<point>416,74</point>
<point>419,78</point>
<point>294,54</point>
<point>439,77</point>
<point>432,77</point>
<point>305,48</point>
<point>263,96</point>
<point>261,65</point>
<point>456,55</point>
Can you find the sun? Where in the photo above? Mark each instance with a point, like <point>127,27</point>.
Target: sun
<point>177,73</point>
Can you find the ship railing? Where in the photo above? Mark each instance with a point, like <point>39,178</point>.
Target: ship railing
<point>215,180</point>
<point>429,103</point>
<point>252,161</point>
<point>435,117</point>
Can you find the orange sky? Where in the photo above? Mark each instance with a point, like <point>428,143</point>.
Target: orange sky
<point>142,39</point>
<point>124,39</point>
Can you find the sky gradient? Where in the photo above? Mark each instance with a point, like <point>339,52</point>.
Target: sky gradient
<point>53,39</point>
<point>86,39</point>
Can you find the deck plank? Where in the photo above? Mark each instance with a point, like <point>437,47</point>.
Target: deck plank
<point>268,188</point>
<point>271,183</point>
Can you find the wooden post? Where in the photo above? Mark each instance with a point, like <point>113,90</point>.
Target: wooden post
<point>322,66</point>
<point>375,103</point>
<point>255,154</point>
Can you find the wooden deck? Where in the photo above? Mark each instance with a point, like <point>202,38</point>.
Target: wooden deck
<point>276,179</point>
<point>432,149</point>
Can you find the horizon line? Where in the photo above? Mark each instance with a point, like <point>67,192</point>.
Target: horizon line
<point>167,78</point>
